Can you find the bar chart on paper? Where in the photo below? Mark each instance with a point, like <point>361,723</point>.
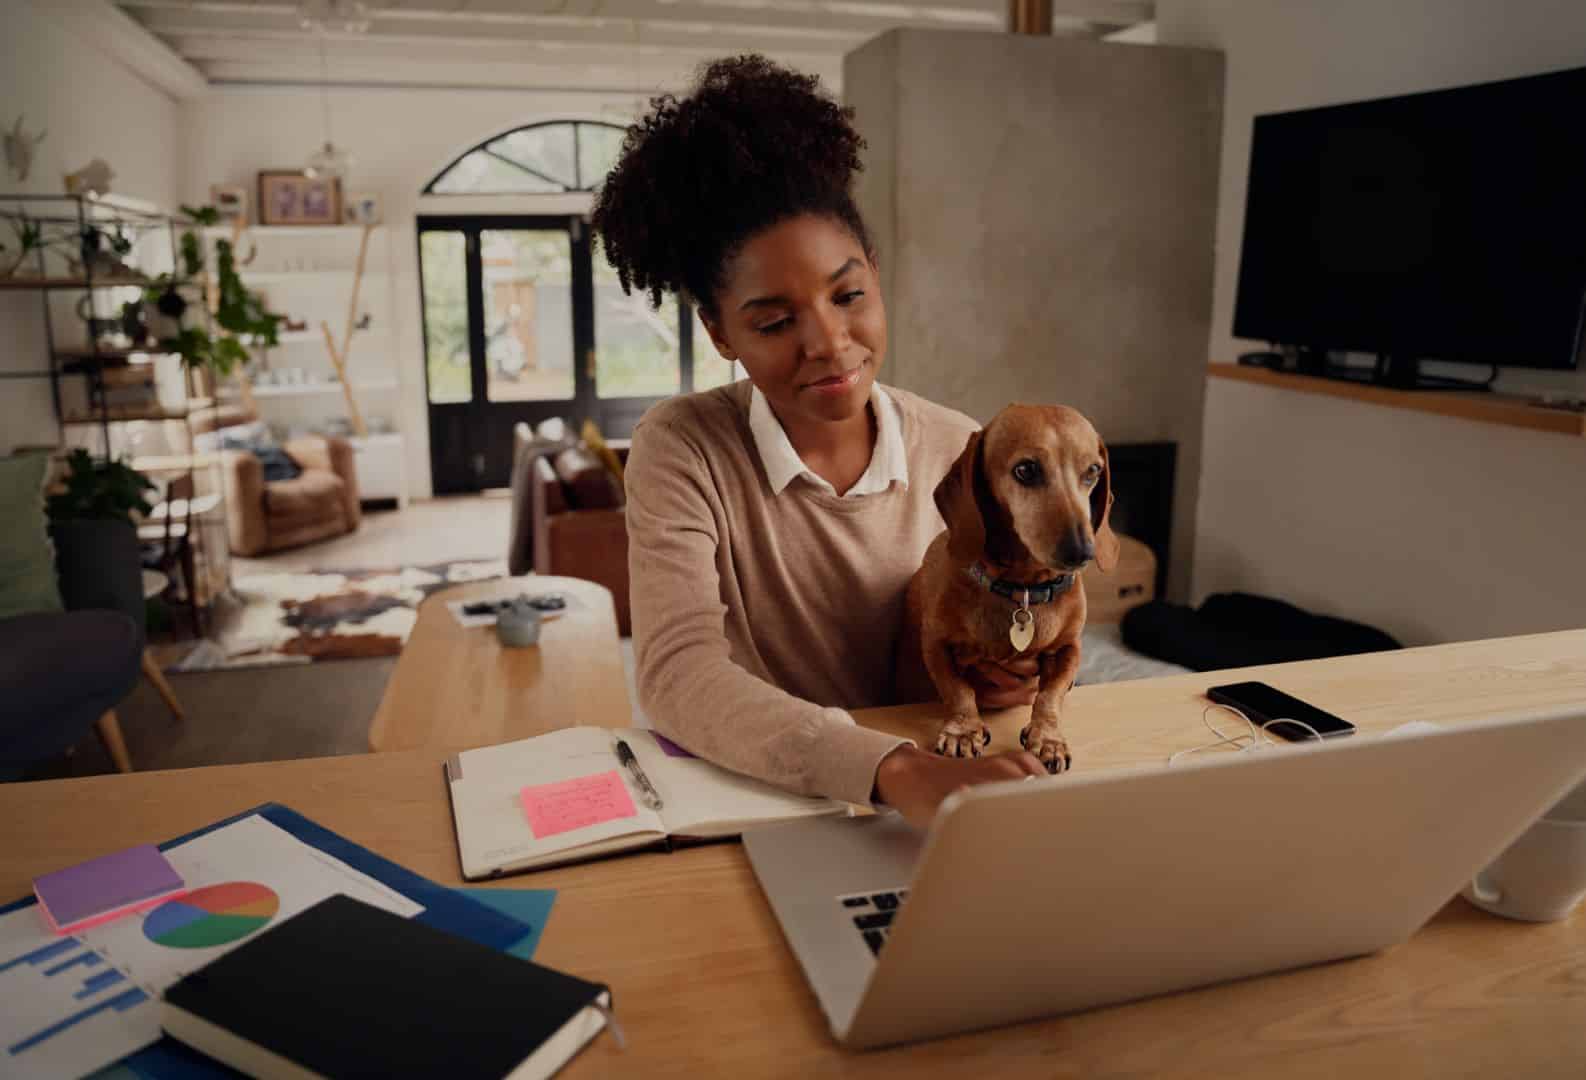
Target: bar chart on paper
<point>67,1011</point>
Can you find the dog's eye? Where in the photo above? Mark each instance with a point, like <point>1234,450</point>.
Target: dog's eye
<point>1092,474</point>
<point>1028,473</point>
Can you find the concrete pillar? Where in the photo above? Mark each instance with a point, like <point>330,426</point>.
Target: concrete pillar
<point>1044,210</point>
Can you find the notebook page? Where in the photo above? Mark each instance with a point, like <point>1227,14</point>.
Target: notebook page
<point>496,820</point>
<point>701,799</point>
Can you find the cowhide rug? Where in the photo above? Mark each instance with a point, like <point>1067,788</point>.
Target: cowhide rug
<point>297,618</point>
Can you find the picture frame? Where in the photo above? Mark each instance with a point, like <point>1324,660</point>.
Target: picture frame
<point>230,202</point>
<point>289,197</point>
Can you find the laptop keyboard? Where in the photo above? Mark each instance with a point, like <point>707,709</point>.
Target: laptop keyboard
<point>872,914</point>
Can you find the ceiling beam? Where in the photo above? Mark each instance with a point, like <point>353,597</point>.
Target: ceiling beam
<point>120,36</point>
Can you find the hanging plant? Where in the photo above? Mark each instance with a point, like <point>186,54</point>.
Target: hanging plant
<point>238,312</point>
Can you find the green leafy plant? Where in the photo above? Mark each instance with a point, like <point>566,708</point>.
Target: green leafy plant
<point>239,313</point>
<point>29,238</point>
<point>238,310</point>
<point>198,349</point>
<point>99,491</point>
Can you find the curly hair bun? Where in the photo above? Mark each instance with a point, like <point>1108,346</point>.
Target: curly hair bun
<point>752,144</point>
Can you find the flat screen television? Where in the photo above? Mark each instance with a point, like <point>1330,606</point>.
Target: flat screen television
<point>1448,225</point>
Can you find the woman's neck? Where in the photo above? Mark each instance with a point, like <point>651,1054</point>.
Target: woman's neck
<point>838,452</point>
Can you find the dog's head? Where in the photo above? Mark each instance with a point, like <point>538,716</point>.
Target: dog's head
<point>1033,485</point>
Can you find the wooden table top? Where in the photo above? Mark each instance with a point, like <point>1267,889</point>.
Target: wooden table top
<point>456,688</point>
<point>704,984</point>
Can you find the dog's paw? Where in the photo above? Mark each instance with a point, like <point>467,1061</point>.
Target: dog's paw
<point>962,737</point>
<point>1051,749</point>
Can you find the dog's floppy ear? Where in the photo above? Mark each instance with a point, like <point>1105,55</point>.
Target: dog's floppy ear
<point>955,498</point>
<point>1100,510</point>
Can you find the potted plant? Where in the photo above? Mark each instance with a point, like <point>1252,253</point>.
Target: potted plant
<point>97,556</point>
<point>239,314</point>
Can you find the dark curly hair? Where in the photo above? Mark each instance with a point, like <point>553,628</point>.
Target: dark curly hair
<point>753,144</point>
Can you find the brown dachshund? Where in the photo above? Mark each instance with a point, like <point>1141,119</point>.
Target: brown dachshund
<point>1026,506</point>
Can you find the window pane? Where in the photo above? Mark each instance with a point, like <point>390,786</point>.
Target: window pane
<point>528,300</point>
<point>547,150</point>
<point>597,153</point>
<point>711,369</point>
<point>636,349</point>
<point>482,174</point>
<point>443,265</point>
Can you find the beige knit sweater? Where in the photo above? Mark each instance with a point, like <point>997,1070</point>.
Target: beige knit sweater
<point>758,619</point>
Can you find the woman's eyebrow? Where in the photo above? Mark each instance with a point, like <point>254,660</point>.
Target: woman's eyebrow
<point>770,301</point>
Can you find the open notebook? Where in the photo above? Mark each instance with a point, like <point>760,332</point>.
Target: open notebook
<point>564,797</point>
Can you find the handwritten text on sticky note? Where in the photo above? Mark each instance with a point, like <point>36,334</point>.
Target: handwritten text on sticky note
<point>576,804</point>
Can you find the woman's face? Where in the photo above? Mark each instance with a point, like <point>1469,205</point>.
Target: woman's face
<point>801,310</point>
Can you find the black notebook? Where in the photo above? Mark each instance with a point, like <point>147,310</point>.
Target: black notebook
<point>344,989</point>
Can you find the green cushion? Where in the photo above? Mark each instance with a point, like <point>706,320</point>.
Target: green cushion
<point>27,561</point>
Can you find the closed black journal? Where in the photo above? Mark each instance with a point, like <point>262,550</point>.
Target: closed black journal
<point>344,989</point>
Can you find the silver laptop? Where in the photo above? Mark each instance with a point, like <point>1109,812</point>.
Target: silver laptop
<point>1028,899</point>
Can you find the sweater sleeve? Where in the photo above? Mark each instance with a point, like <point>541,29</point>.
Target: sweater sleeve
<point>688,683</point>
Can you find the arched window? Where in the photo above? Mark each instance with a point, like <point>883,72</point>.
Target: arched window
<point>540,159</point>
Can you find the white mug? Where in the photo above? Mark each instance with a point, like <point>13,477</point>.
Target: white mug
<point>1542,875</point>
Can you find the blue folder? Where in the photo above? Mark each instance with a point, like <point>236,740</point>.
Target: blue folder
<point>445,909</point>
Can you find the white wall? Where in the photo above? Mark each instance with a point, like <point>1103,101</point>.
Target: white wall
<point>1432,528</point>
<point>91,106</point>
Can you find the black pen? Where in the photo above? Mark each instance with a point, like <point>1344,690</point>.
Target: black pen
<point>652,798</point>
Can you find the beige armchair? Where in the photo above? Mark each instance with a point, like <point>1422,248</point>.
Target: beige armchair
<point>320,502</point>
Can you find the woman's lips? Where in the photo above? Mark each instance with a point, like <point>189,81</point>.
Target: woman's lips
<point>836,384</point>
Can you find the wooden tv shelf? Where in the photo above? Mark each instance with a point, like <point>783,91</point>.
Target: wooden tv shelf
<point>1487,408</point>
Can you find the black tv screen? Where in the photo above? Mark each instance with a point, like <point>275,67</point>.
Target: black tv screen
<point>1448,225</point>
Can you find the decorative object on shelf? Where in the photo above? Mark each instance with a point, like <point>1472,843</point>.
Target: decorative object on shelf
<point>102,253</point>
<point>295,198</point>
<point>134,322</point>
<point>363,209</point>
<point>29,238</point>
<point>99,329</point>
<point>92,179</point>
<point>230,203</point>
<point>338,356</point>
<point>19,150</point>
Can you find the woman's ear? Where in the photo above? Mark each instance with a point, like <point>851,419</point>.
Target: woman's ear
<point>960,509</point>
<point>1100,511</point>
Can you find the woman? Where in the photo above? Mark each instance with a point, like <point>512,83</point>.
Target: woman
<point>773,524</point>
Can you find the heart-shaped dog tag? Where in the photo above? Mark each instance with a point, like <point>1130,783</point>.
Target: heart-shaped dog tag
<point>1022,632</point>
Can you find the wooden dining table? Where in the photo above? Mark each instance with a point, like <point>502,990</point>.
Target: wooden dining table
<point>704,984</point>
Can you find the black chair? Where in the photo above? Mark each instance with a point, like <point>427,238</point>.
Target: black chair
<point>62,673</point>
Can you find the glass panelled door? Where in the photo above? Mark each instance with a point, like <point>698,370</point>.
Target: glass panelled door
<point>524,320</point>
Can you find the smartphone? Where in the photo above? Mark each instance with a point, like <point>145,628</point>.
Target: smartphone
<point>1263,704</point>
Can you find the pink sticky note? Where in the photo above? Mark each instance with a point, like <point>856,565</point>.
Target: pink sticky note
<point>576,804</point>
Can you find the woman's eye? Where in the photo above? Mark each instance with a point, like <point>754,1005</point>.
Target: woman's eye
<point>848,298</point>
<point>772,327</point>
<point>1027,473</point>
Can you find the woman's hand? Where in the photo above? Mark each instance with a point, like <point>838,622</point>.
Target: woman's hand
<point>1004,685</point>
<point>914,783</point>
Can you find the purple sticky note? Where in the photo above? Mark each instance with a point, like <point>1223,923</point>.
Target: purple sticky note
<point>105,888</point>
<point>669,747</point>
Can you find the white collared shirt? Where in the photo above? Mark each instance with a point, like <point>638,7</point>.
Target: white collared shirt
<point>888,462</point>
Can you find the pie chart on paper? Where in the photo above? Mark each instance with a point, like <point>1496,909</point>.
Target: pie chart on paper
<point>213,915</point>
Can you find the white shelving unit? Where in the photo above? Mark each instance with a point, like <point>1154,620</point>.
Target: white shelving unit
<point>306,273</point>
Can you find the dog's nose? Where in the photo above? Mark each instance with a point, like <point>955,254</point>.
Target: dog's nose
<point>1076,549</point>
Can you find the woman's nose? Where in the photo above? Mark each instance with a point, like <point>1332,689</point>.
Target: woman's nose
<point>825,332</point>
